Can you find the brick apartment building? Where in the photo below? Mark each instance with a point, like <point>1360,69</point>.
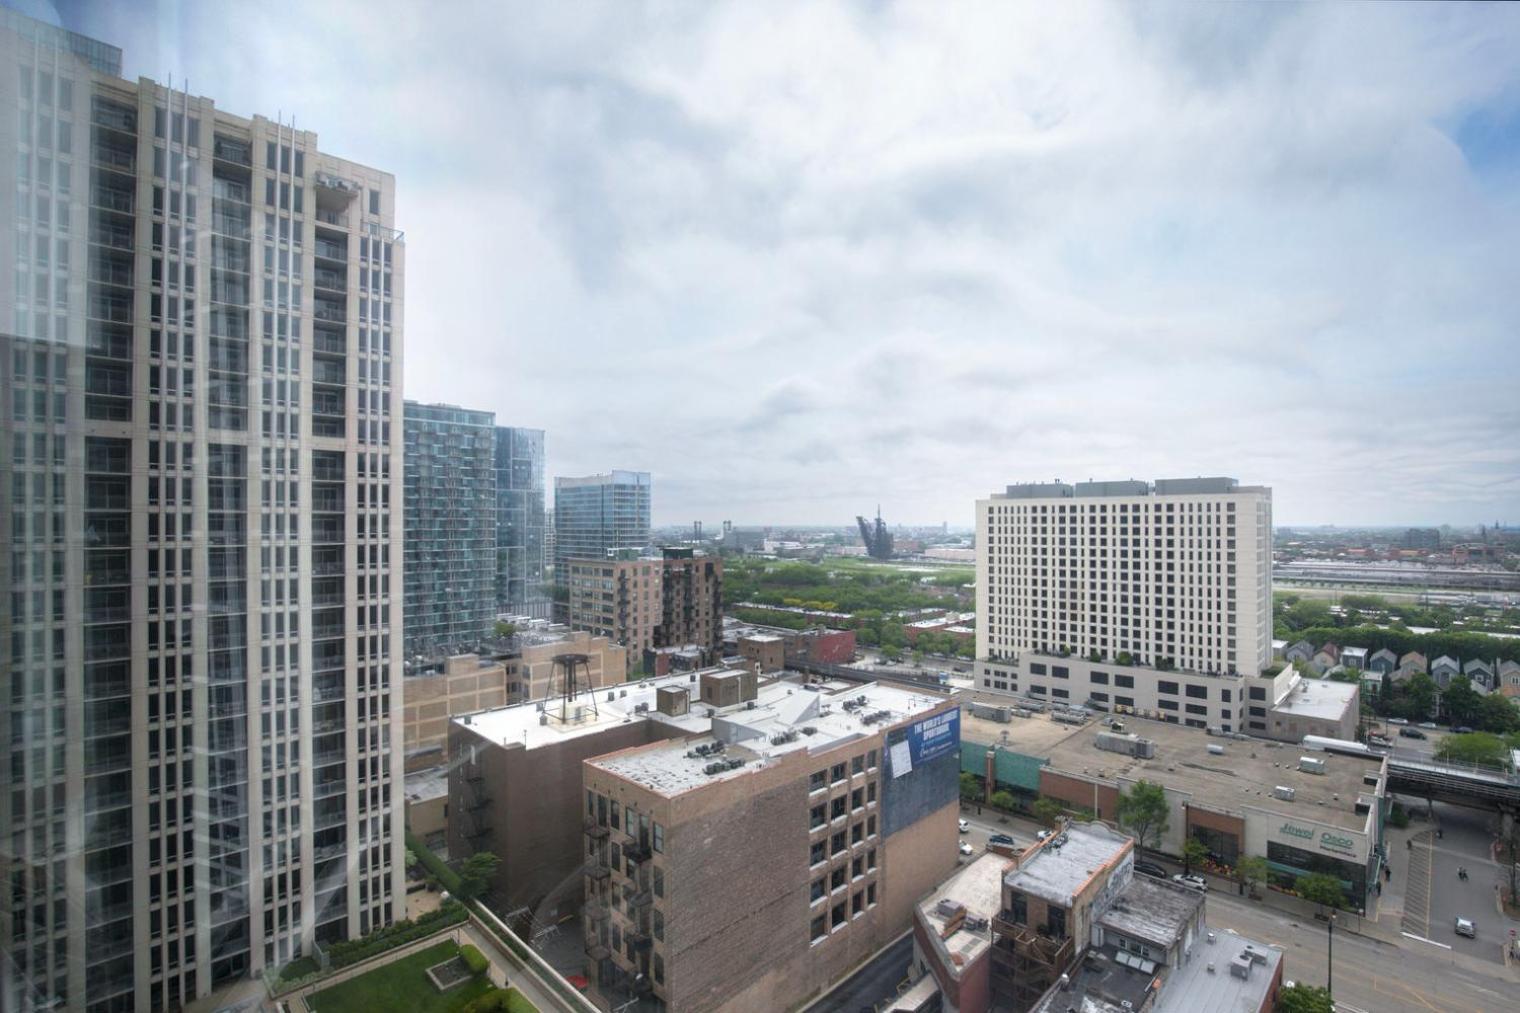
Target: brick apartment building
<point>617,598</point>
<point>691,602</point>
<point>750,866</point>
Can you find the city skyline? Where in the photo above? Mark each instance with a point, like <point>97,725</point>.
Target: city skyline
<point>907,278</point>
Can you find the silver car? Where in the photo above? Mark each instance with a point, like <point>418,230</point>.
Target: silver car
<point>1465,927</point>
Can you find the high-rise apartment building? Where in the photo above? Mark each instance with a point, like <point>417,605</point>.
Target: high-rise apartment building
<point>451,493</point>
<point>617,598</point>
<point>200,371</point>
<point>520,522</point>
<point>600,515</point>
<point>691,602</point>
<point>1154,599</point>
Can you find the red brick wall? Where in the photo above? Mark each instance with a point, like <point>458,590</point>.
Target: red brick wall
<point>836,647</point>
<point>1080,794</point>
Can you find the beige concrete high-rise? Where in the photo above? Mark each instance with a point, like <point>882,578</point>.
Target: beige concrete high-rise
<point>200,386</point>
<point>1133,597</point>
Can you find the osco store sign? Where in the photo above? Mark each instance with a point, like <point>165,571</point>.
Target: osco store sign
<point>1328,841</point>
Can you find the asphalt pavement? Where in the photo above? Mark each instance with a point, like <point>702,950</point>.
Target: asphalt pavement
<point>882,978</point>
<point>1465,842</point>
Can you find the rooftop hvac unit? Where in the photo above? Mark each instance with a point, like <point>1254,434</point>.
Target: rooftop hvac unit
<point>1311,764</point>
<point>1215,749</point>
<point>1283,792</point>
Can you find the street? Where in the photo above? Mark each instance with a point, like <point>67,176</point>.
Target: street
<point>874,983</point>
<point>1370,975</point>
<point>1432,906</point>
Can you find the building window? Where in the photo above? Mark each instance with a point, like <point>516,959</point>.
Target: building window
<point>838,807</point>
<point>820,928</point>
<point>818,780</point>
<point>1036,668</point>
<point>837,878</point>
<point>858,798</point>
<point>816,853</point>
<point>858,902</point>
<point>1060,672</point>
<point>659,881</point>
<point>871,895</point>
<point>1258,692</point>
<point>857,764</point>
<point>839,916</point>
<point>659,969</point>
<point>1124,681</point>
<point>1020,909</point>
<point>838,843</point>
<point>1169,688</point>
<point>870,859</point>
<point>837,774</point>
<point>1201,692</point>
<point>1099,678</point>
<point>817,816</point>
<point>857,833</point>
<point>659,839</point>
<point>659,925</point>
<point>817,891</point>
<point>871,792</point>
<point>1197,708</point>
<point>871,759</point>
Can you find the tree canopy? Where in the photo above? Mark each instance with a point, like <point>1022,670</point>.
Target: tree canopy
<point>1321,889</point>
<point>1303,998</point>
<point>1143,811</point>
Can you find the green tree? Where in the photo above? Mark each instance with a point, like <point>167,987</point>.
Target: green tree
<point>1194,852</point>
<point>475,874</point>
<point>1253,870</point>
<point>1004,800</point>
<point>971,785</point>
<point>891,652</point>
<point>505,629</point>
<point>1461,702</point>
<point>1143,811</point>
<point>1304,999</point>
<point>1497,714</point>
<point>1483,748</point>
<point>1046,810</point>
<point>1318,888</point>
<point>1417,697</point>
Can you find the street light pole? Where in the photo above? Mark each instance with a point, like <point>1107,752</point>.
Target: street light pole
<point>1330,955</point>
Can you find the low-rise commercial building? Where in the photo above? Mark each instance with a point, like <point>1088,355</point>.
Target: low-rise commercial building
<point>1066,924</point>
<point>1239,796</point>
<point>462,684</point>
<point>764,649</point>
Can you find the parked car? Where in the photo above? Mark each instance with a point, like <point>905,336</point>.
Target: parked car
<point>965,827</point>
<point>1430,725</point>
<point>1196,882</point>
<point>1043,834</point>
<point>1462,729</point>
<point>1465,927</point>
<point>1000,839</point>
<point>1150,869</point>
<point>1398,721</point>
<point>965,847</point>
<point>1411,733</point>
<point>1378,740</point>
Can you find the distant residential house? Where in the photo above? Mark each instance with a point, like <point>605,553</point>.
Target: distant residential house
<point>1383,661</point>
<point>1480,673</point>
<point>1444,669</point>
<point>1354,657</point>
<point>1508,678</point>
<point>1372,681</point>
<point>1328,657</point>
<point>1299,650</point>
<point>1413,662</point>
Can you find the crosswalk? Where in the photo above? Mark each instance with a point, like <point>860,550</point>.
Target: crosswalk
<point>1417,889</point>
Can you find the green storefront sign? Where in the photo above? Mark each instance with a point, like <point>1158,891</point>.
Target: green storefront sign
<point>1327,841</point>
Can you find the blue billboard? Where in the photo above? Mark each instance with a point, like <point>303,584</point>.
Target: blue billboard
<point>927,740</point>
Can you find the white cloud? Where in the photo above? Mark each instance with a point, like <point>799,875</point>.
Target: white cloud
<point>799,258</point>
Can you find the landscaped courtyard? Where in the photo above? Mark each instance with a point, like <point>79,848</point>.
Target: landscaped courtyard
<point>401,987</point>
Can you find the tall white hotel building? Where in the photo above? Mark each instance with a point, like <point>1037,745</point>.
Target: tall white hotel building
<point>200,508</point>
<point>1130,597</point>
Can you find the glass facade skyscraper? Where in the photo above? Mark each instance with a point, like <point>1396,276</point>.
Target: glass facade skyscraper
<point>450,527</point>
<point>600,515</point>
<point>200,368</point>
<point>520,522</point>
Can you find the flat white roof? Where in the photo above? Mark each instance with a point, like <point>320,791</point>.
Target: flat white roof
<point>786,717</point>
<point>519,724</point>
<point>1318,698</point>
<point>1193,987</point>
<point>1056,873</point>
<point>979,888</point>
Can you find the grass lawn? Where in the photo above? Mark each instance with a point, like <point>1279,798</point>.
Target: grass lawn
<point>400,987</point>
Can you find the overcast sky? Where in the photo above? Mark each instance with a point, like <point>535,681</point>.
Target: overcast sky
<point>799,259</point>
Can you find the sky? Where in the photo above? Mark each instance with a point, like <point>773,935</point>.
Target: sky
<point>801,259</point>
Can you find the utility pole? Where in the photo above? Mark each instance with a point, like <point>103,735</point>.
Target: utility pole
<point>1330,956</point>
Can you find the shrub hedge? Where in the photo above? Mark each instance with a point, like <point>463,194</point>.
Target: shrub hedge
<point>474,959</point>
<point>351,951</point>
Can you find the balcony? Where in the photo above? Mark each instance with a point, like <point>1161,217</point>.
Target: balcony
<point>333,281</point>
<point>332,218</point>
<point>596,830</point>
<point>112,200</point>
<point>333,312</point>
<point>226,149</point>
<point>330,250</point>
<point>114,158</point>
<point>637,852</point>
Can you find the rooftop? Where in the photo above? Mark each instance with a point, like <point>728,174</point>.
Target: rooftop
<point>1153,910</point>
<point>968,899</point>
<point>1324,699</point>
<point>1245,774</point>
<point>1104,982</point>
<point>1062,865</point>
<point>1210,982</point>
<point>787,716</point>
<point>430,783</point>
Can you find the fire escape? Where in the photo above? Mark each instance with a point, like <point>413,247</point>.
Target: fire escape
<point>1026,960</point>
<point>477,802</point>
